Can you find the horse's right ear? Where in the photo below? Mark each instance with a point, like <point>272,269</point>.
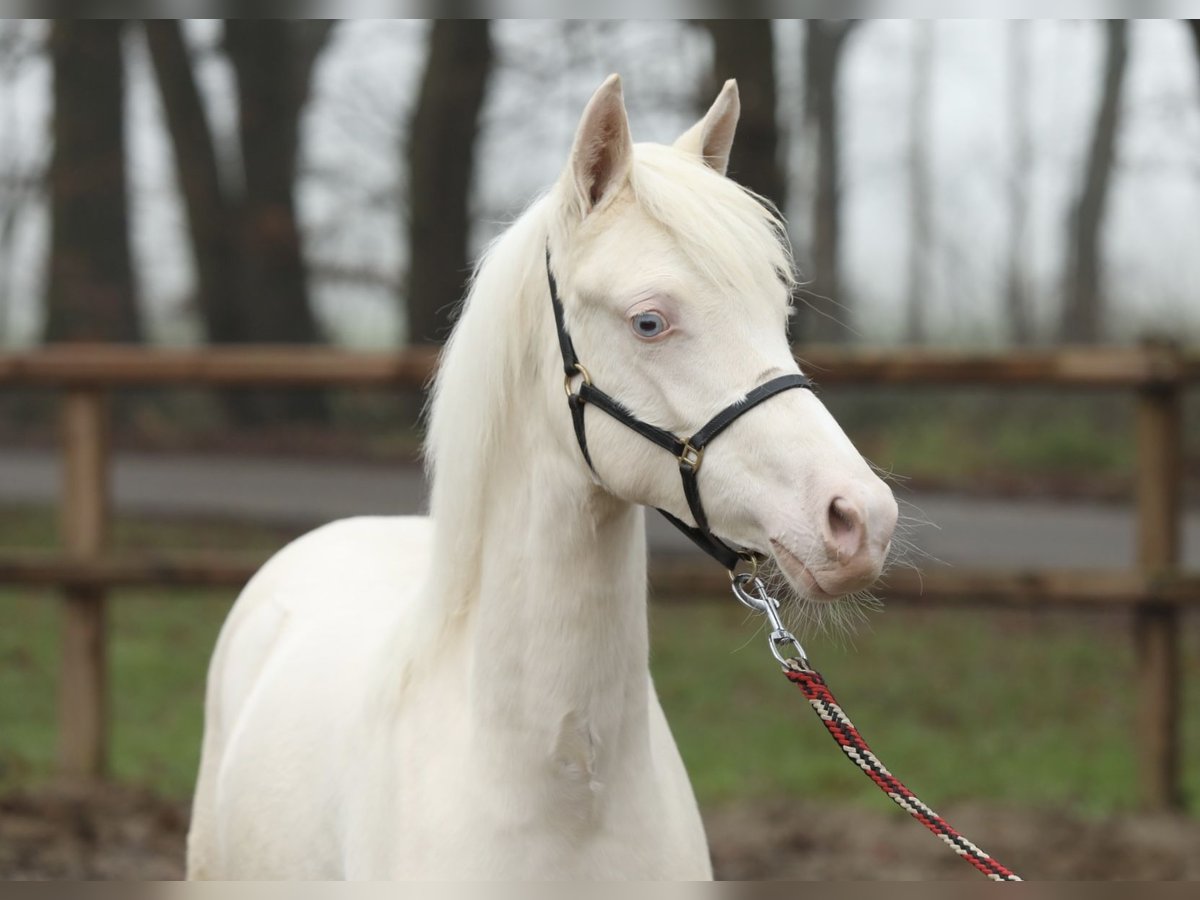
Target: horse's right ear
<point>603,151</point>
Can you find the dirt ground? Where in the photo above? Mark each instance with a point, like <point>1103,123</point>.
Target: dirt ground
<point>109,833</point>
<point>122,834</point>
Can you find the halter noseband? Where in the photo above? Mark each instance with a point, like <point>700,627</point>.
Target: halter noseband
<point>688,451</point>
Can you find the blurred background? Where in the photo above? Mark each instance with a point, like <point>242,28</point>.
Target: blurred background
<point>954,181</point>
<point>952,187</point>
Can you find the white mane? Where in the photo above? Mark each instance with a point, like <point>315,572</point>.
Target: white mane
<point>504,317</point>
<point>504,335</point>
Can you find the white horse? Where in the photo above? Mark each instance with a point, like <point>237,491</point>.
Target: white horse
<point>467,695</point>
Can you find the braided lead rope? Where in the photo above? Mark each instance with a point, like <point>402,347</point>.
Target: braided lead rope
<point>813,686</point>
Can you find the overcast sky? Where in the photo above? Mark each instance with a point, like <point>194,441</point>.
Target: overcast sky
<point>365,84</point>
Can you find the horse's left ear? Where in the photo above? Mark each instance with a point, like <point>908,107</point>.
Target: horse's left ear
<point>712,137</point>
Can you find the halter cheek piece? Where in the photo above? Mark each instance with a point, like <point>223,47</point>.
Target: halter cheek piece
<point>688,451</point>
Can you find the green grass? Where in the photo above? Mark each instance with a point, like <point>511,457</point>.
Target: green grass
<point>1016,707</point>
<point>159,647</point>
<point>957,435</point>
<point>158,654</point>
<point>1007,706</point>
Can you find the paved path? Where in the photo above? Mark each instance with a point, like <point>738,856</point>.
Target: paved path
<point>993,532</point>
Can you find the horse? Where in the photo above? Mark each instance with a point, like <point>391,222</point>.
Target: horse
<point>467,695</point>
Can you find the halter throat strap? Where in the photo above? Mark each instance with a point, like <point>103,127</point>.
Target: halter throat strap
<point>689,452</point>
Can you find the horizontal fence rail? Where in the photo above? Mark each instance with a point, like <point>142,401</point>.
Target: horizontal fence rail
<point>98,366</point>
<point>85,570</point>
<point>672,578</point>
<point>108,366</point>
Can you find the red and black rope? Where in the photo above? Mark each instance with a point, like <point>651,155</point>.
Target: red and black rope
<point>813,686</point>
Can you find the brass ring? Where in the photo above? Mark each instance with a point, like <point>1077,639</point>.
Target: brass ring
<point>753,559</point>
<point>578,370</point>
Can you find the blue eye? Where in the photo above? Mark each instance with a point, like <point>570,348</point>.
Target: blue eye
<point>649,324</point>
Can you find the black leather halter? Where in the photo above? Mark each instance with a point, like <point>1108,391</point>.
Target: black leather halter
<point>688,451</point>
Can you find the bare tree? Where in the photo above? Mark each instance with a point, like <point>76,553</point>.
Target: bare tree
<point>1083,308</point>
<point>920,189</point>
<point>825,318</point>
<point>745,49</point>
<point>251,270</point>
<point>272,61</point>
<point>210,216</point>
<point>1016,293</point>
<point>441,158</point>
<point>90,293</point>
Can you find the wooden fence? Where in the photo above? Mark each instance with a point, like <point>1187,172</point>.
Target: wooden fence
<point>1156,590</point>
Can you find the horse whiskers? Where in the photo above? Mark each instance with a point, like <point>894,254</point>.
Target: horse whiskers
<point>906,552</point>
<point>917,515</point>
<point>807,617</point>
<point>889,475</point>
<point>840,620</point>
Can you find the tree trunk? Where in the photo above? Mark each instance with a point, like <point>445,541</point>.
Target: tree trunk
<point>825,316</point>
<point>19,187</point>
<point>441,157</point>
<point>1083,309</point>
<point>1194,27</point>
<point>209,216</point>
<point>745,49</point>
<point>1016,293</point>
<point>920,190</point>
<point>273,61</point>
<point>90,294</point>
<point>265,66</point>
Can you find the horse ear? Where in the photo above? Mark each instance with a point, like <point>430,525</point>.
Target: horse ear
<point>603,151</point>
<point>712,137</point>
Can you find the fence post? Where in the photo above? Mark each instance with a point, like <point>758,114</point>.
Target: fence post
<point>1156,625</point>
<point>83,688</point>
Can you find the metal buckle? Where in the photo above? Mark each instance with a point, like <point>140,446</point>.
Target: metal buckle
<point>764,604</point>
<point>690,457</point>
<point>580,371</point>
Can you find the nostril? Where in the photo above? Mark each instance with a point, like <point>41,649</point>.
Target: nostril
<point>841,517</point>
<point>845,528</point>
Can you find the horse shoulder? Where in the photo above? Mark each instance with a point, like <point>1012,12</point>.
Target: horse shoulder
<point>340,571</point>
<point>310,607</point>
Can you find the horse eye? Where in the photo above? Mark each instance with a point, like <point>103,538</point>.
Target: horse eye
<point>649,324</point>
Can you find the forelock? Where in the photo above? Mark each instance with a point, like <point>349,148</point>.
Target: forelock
<point>732,236</point>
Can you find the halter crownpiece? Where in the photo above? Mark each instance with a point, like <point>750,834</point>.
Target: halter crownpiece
<point>689,452</point>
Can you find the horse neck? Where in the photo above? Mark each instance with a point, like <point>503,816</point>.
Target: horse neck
<point>559,633</point>
<point>540,574</point>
